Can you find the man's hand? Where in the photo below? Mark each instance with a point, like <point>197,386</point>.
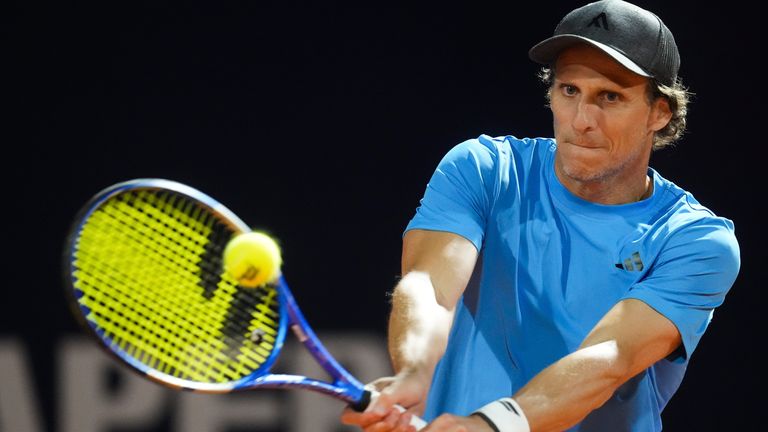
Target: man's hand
<point>453,423</point>
<point>393,420</point>
<point>408,389</point>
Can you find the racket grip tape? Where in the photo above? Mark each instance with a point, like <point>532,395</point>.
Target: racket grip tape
<point>370,396</point>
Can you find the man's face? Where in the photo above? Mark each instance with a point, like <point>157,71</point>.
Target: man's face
<point>603,120</point>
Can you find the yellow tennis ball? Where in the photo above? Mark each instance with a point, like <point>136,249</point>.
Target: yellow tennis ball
<point>253,259</point>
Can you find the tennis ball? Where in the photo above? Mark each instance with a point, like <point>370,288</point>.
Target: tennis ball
<point>253,259</point>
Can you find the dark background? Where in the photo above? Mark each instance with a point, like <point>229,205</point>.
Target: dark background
<point>322,122</point>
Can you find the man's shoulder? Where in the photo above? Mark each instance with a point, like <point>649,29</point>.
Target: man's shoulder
<point>685,207</point>
<point>505,146</point>
<point>691,225</point>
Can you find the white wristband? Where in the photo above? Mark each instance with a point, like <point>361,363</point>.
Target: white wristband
<point>504,415</point>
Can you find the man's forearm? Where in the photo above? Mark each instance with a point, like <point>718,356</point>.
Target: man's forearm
<point>564,393</point>
<point>418,325</point>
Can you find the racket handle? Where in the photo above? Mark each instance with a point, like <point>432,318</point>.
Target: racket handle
<point>416,421</point>
<point>370,396</point>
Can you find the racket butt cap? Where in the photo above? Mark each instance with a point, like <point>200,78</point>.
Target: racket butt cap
<point>363,403</point>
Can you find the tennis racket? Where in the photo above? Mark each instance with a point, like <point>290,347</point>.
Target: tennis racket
<point>144,273</point>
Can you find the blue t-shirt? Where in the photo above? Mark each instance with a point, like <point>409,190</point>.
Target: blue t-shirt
<point>551,265</point>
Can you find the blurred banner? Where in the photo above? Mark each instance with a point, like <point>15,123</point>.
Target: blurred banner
<point>91,392</point>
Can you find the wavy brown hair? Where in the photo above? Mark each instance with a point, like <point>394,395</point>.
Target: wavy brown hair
<point>676,94</point>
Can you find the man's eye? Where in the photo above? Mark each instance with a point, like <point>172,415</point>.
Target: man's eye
<point>611,97</point>
<point>569,89</point>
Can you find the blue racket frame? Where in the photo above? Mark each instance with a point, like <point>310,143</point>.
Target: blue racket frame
<point>344,386</point>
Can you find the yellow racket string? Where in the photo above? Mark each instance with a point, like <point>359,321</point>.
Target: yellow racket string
<point>148,266</point>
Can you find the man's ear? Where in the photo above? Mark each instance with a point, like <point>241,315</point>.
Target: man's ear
<point>661,114</point>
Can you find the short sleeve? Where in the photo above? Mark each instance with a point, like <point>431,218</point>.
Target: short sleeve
<point>459,194</point>
<point>691,277</point>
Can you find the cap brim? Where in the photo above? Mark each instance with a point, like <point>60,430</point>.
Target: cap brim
<point>546,51</point>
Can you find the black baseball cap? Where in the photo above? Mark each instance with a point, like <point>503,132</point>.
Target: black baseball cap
<point>633,36</point>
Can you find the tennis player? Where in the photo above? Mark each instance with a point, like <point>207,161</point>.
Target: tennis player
<point>560,284</point>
